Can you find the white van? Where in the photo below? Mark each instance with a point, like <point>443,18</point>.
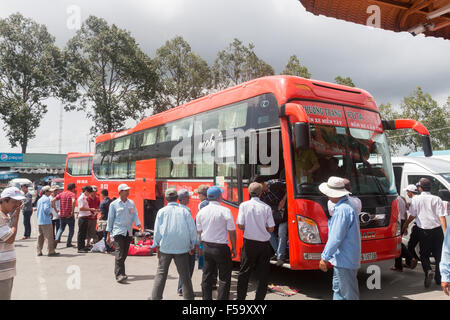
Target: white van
<point>20,181</point>
<point>409,170</point>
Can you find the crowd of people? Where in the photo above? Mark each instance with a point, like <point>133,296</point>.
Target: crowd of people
<point>262,219</point>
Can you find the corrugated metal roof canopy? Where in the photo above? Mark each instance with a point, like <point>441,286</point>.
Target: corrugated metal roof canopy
<point>431,17</point>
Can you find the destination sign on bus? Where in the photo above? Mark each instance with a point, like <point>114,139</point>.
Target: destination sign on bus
<point>363,119</point>
<point>320,113</point>
<point>334,115</point>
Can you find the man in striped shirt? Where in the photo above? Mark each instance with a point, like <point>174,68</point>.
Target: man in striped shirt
<point>10,206</point>
<point>66,212</point>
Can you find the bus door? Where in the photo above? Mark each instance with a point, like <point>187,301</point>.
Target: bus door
<point>145,193</point>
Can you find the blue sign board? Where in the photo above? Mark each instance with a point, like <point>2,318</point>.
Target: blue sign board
<point>8,175</point>
<point>11,157</point>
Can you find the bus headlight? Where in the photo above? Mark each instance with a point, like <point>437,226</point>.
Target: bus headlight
<point>308,230</point>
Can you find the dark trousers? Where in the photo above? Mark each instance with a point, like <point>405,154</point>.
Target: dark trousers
<point>412,243</point>
<point>191,271</point>
<point>66,222</point>
<point>430,242</point>
<point>255,255</point>
<point>182,264</point>
<point>56,224</point>
<point>216,257</point>
<point>404,254</point>
<point>83,223</point>
<point>27,222</point>
<point>122,245</point>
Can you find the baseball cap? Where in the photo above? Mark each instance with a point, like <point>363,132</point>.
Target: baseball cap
<point>183,193</point>
<point>214,192</point>
<point>13,193</point>
<point>411,188</point>
<point>171,192</point>
<point>202,189</point>
<point>123,187</point>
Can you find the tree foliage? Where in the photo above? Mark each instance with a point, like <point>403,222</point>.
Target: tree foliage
<point>344,81</point>
<point>108,76</point>
<point>238,63</point>
<point>294,68</point>
<point>184,75</point>
<point>30,71</point>
<point>420,106</point>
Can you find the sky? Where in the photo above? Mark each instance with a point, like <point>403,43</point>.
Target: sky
<point>389,65</point>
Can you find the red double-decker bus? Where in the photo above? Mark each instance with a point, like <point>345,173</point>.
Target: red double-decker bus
<point>288,128</point>
<point>78,170</point>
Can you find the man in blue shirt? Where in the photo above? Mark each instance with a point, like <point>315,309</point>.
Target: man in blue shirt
<point>343,248</point>
<point>44,219</point>
<point>445,263</point>
<point>122,214</point>
<point>184,198</point>
<point>175,238</point>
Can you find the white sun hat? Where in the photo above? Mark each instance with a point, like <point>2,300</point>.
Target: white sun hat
<point>12,193</point>
<point>334,188</point>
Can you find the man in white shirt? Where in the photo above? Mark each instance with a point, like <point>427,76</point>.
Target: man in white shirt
<point>256,220</point>
<point>214,224</point>
<point>83,221</point>
<point>429,214</point>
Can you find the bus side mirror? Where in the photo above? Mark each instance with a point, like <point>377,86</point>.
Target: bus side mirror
<point>426,145</point>
<point>301,132</point>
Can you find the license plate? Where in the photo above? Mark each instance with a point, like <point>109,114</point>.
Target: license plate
<point>369,256</point>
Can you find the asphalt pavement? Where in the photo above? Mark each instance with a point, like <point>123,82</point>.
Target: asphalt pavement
<point>90,276</point>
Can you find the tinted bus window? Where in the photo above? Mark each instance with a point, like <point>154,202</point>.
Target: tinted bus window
<point>79,166</point>
<point>149,137</point>
<point>102,160</point>
<point>122,143</point>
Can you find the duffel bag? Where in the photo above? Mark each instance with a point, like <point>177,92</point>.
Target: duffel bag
<point>137,250</point>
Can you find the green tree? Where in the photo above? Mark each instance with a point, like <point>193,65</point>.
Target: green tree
<point>238,63</point>
<point>344,81</point>
<point>184,75</point>
<point>108,75</point>
<point>294,68</point>
<point>387,113</point>
<point>419,106</point>
<point>30,71</point>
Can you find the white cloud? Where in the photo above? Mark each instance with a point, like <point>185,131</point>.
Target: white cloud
<point>387,64</point>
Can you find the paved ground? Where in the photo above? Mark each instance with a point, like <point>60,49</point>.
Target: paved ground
<point>57,278</point>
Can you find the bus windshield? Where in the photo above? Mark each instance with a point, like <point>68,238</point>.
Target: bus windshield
<point>360,155</point>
